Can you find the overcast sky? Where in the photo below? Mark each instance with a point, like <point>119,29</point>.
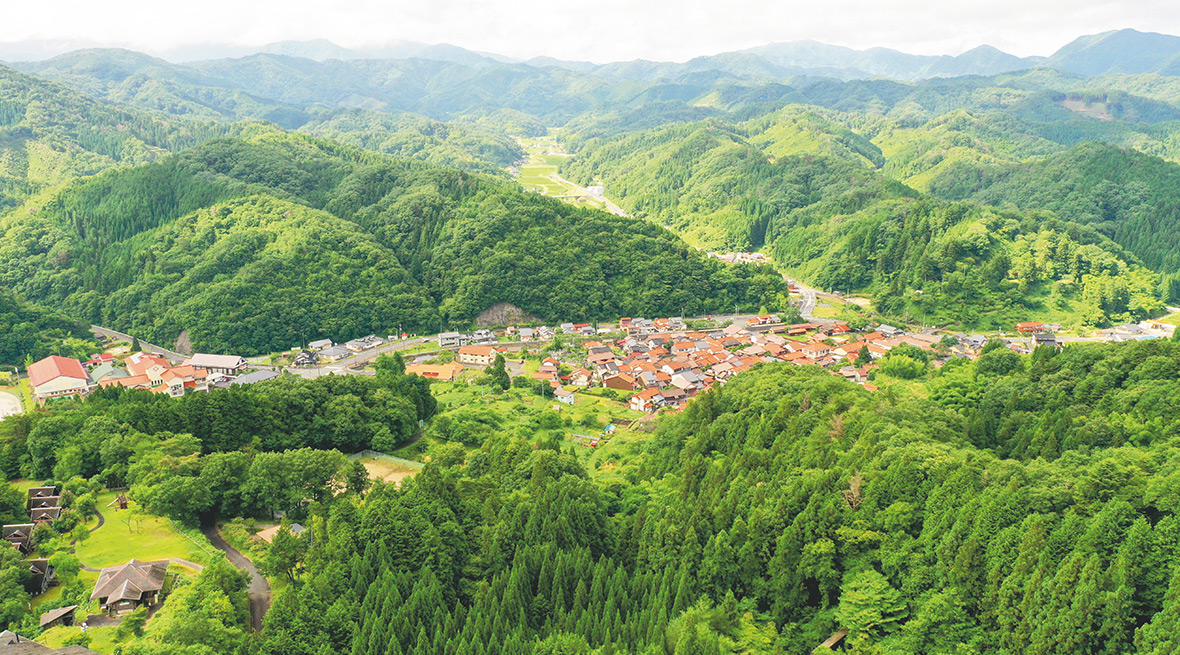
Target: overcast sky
<point>599,30</point>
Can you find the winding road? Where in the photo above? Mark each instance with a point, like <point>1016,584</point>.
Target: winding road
<point>172,356</point>
<point>259,589</point>
<point>808,300</point>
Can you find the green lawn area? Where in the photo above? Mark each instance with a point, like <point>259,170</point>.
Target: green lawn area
<point>144,537</point>
<point>26,395</point>
<point>25,485</point>
<point>1171,319</point>
<point>102,638</point>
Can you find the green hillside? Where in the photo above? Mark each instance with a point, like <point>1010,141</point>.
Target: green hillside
<point>27,330</point>
<point>720,190</point>
<point>49,134</point>
<point>826,216</point>
<point>256,244</point>
<point>1129,196</point>
<point>944,263</point>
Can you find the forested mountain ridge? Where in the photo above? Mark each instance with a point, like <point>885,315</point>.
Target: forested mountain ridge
<point>1127,195</point>
<point>801,183</point>
<point>50,135</point>
<point>28,331</point>
<point>225,238</point>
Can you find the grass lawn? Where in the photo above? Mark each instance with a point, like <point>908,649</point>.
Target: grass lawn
<point>1171,319</point>
<point>102,639</point>
<point>145,537</point>
<point>25,485</point>
<point>26,395</point>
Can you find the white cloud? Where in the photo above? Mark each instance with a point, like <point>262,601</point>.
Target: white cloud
<point>604,30</point>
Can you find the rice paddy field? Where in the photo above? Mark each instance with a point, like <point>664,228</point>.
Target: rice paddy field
<point>539,173</point>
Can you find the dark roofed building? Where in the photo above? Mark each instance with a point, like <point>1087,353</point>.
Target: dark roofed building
<point>253,377</point>
<point>42,492</point>
<point>121,589</point>
<point>59,616</point>
<point>40,576</point>
<point>45,501</point>
<point>14,644</point>
<point>45,514</point>
<point>19,535</point>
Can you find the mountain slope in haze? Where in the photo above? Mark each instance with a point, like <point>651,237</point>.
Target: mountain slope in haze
<point>257,244</point>
<point>1120,51</point>
<point>815,57</point>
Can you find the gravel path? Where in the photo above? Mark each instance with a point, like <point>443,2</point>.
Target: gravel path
<point>259,590</point>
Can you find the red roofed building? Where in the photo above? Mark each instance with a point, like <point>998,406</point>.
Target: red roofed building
<point>477,355</point>
<point>647,400</point>
<point>1030,327</point>
<point>58,377</point>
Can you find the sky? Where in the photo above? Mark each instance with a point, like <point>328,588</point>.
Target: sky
<point>599,31</point>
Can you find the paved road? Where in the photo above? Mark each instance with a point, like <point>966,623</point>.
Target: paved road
<point>259,590</point>
<point>808,301</point>
<point>581,191</point>
<point>170,355</point>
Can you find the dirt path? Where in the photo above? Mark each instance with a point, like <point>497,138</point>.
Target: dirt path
<point>259,590</point>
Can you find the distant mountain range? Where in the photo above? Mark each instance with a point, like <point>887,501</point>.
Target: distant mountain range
<point>1122,51</point>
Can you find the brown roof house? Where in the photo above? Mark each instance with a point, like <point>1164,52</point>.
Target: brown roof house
<point>14,644</point>
<point>44,501</point>
<point>121,589</point>
<point>59,616</point>
<point>42,492</point>
<point>45,514</point>
<point>19,535</point>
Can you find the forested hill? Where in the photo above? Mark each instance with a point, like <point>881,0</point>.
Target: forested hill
<point>709,182</point>
<point>1127,195</point>
<point>30,331</point>
<point>800,184</point>
<point>1009,506</point>
<point>50,134</point>
<point>259,243</point>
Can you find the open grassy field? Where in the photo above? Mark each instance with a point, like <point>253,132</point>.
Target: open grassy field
<point>102,639</point>
<point>129,534</point>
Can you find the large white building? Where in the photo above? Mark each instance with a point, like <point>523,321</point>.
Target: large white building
<point>58,377</point>
<point>217,364</point>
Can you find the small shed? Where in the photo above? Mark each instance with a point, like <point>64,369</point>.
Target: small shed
<point>59,616</point>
